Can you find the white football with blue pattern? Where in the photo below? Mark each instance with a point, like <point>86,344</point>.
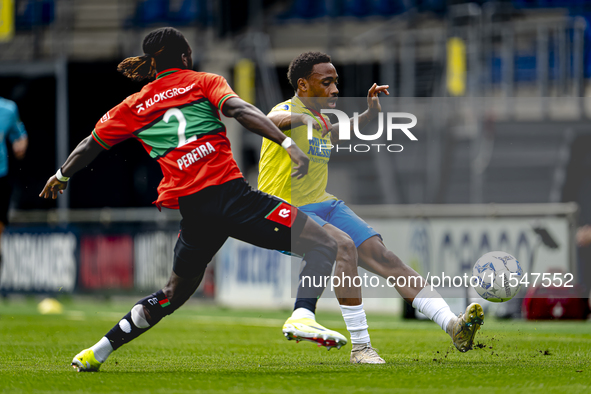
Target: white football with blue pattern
<point>498,276</point>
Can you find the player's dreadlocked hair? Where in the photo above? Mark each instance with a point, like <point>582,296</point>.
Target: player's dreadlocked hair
<point>162,50</point>
<point>301,66</point>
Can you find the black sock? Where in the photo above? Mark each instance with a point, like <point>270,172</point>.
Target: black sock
<point>307,303</point>
<point>125,331</point>
<point>318,265</point>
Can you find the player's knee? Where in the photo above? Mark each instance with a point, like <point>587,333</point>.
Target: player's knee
<point>324,238</point>
<point>332,248</point>
<point>347,251</point>
<point>329,242</point>
<point>323,255</point>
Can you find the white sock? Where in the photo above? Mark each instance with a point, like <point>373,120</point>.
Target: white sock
<point>102,349</point>
<point>302,313</point>
<point>430,303</point>
<point>356,323</point>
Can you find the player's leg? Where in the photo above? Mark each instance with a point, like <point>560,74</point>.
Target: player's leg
<point>350,298</point>
<point>145,314</point>
<point>196,246</point>
<point>346,265</point>
<point>270,223</point>
<point>302,323</point>
<point>348,295</point>
<point>350,231</point>
<point>266,221</point>
<point>345,268</point>
<point>376,258</point>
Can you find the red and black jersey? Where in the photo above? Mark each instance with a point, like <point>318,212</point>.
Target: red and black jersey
<point>177,121</point>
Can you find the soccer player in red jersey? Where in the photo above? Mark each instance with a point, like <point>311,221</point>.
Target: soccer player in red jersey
<point>176,119</point>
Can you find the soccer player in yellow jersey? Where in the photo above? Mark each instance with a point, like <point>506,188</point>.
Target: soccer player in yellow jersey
<point>314,80</point>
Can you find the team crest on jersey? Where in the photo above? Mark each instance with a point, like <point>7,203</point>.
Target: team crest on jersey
<point>283,214</point>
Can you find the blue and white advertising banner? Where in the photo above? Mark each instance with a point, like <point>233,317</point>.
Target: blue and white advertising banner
<point>38,262</point>
<point>247,276</point>
<point>454,245</point>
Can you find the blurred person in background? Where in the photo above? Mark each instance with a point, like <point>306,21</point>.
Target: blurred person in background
<point>176,119</point>
<point>11,130</point>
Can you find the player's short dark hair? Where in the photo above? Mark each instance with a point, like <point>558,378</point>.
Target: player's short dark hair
<point>162,50</point>
<point>301,66</point>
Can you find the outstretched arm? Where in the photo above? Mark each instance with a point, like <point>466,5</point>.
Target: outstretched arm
<point>83,155</point>
<point>373,108</point>
<point>255,121</point>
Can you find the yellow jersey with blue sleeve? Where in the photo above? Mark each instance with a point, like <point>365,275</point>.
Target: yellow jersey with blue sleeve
<point>275,165</point>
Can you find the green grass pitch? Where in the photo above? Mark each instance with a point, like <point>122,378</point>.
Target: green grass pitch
<point>211,350</point>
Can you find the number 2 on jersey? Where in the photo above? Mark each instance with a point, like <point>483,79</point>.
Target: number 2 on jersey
<point>182,125</point>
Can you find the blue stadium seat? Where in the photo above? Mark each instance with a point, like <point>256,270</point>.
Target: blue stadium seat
<point>587,51</point>
<point>150,12</point>
<point>525,68</point>
<point>190,11</point>
<point>31,13</point>
<point>390,7</point>
<point>358,8</point>
<point>307,9</point>
<point>310,9</point>
<point>570,4</point>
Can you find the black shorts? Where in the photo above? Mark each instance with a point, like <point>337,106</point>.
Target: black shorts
<point>5,190</point>
<point>232,209</point>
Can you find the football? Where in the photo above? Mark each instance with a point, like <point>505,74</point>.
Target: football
<point>498,276</point>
